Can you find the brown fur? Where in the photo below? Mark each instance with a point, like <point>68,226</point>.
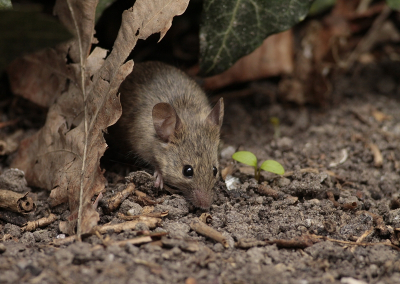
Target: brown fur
<point>195,143</point>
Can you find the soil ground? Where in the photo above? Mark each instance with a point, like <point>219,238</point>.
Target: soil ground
<point>334,194</point>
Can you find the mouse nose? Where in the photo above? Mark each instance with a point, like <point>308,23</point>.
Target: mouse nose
<point>202,198</point>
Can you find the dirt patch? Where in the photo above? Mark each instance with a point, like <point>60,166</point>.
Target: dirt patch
<point>336,193</point>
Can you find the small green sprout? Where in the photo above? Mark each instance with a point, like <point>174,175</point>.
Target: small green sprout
<point>277,130</point>
<point>250,159</point>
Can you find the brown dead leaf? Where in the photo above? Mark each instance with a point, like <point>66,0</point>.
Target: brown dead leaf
<point>274,57</point>
<point>41,76</point>
<point>64,156</point>
<point>78,17</point>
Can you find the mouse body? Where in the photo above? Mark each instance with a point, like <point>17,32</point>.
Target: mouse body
<point>168,123</point>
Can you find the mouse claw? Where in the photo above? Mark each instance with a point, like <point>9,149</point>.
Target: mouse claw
<point>159,182</point>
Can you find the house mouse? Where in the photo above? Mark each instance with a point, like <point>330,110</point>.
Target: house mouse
<point>168,123</point>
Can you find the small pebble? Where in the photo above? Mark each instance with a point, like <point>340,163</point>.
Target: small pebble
<point>260,200</point>
<point>227,152</point>
<point>218,247</point>
<point>135,209</point>
<point>284,143</point>
<point>232,183</point>
<point>283,182</point>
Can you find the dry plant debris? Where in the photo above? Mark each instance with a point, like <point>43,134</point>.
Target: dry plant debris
<point>16,202</point>
<point>151,222</point>
<point>309,201</point>
<point>207,231</point>
<point>42,222</point>
<point>150,214</point>
<point>10,143</point>
<point>117,199</point>
<point>64,156</point>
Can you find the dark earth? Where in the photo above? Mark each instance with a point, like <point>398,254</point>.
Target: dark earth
<point>334,194</point>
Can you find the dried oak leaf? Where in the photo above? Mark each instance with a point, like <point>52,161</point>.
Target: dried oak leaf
<point>64,156</point>
<point>40,76</point>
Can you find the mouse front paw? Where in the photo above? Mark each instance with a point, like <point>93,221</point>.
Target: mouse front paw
<point>159,182</point>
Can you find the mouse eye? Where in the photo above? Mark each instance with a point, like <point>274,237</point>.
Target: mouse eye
<point>187,171</point>
<point>215,171</point>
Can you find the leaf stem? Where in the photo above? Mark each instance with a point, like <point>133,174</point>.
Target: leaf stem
<point>83,89</point>
<point>257,174</point>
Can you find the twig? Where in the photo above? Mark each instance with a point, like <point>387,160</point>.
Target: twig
<point>144,199</point>
<point>103,241</point>
<point>42,222</point>
<point>135,241</point>
<point>117,199</point>
<point>151,222</point>
<point>355,243</point>
<point>363,236</point>
<point>152,214</point>
<point>64,241</point>
<point>301,242</point>
<point>378,221</point>
<point>82,74</point>
<point>366,43</point>
<point>207,231</point>
<point>332,198</point>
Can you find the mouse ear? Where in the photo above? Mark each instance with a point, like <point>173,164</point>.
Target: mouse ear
<point>165,120</point>
<point>217,114</point>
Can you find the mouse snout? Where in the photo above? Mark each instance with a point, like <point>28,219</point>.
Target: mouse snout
<point>202,198</point>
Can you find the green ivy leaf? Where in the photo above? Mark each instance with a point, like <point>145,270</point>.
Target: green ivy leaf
<point>232,29</point>
<point>101,6</point>
<point>23,32</point>
<point>5,4</point>
<point>394,4</point>
<point>245,157</point>
<point>320,6</point>
<point>273,167</point>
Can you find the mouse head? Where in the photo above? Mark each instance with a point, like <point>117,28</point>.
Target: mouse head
<point>187,155</point>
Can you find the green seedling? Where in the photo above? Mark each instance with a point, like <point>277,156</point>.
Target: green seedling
<point>277,130</point>
<point>250,159</point>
